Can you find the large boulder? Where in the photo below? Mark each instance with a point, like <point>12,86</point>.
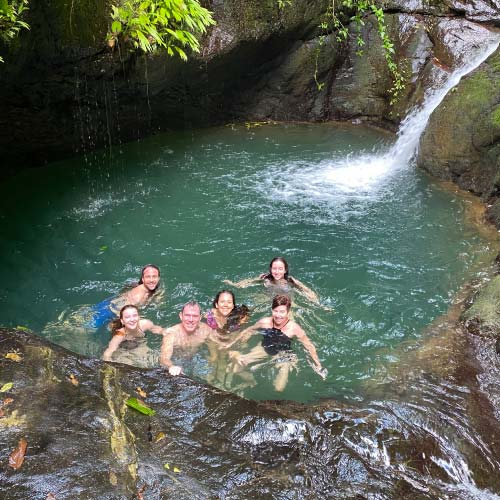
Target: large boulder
<point>462,140</point>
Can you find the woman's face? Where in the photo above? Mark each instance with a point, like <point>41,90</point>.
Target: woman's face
<point>225,304</point>
<point>280,315</point>
<point>150,278</point>
<point>278,270</point>
<point>130,318</point>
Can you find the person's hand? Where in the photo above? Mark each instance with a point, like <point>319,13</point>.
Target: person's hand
<point>322,372</point>
<point>236,357</point>
<point>175,370</point>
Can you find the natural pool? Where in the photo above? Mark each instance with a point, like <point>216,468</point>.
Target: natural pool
<point>385,248</point>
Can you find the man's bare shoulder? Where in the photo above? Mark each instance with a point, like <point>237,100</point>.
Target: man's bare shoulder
<point>204,329</point>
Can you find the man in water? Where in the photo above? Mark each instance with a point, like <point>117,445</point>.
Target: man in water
<point>188,335</point>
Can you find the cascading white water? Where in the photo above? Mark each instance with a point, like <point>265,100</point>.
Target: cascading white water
<point>414,124</point>
<point>362,176</point>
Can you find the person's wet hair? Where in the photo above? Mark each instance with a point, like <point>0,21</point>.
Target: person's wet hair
<point>216,300</point>
<point>237,317</point>
<point>191,303</point>
<point>117,324</point>
<point>269,276</point>
<point>147,266</point>
<point>282,300</point>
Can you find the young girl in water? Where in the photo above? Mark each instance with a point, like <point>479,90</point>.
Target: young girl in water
<point>278,331</point>
<point>129,332</point>
<point>225,316</point>
<point>278,280</point>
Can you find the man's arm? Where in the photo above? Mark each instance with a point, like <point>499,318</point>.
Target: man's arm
<point>166,351</point>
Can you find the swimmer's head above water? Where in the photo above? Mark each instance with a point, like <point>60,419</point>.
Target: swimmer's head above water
<point>278,269</point>
<point>128,318</point>
<point>150,277</point>
<point>281,300</point>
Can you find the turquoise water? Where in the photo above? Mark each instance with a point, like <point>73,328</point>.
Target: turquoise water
<point>384,247</point>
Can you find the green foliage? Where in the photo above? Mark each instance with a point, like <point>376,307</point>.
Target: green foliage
<point>361,8</point>
<point>11,24</point>
<point>151,24</point>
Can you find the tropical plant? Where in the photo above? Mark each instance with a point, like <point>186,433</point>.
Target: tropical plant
<point>359,9</point>
<point>148,25</point>
<point>11,24</point>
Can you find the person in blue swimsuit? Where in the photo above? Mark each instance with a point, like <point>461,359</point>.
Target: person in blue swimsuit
<point>277,331</point>
<point>278,281</point>
<point>104,312</point>
<point>89,318</point>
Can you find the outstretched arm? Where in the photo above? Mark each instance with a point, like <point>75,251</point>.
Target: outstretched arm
<point>167,349</point>
<point>306,291</point>
<point>146,325</point>
<point>246,333</point>
<point>244,283</point>
<point>112,346</point>
<point>311,349</point>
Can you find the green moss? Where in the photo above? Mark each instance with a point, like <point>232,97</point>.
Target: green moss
<point>487,306</point>
<point>495,117</point>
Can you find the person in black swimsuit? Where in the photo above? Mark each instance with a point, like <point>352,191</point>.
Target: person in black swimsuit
<point>278,331</point>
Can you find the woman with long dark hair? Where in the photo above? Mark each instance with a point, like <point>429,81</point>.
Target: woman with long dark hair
<point>278,280</point>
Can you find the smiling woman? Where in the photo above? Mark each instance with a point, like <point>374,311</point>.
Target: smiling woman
<point>129,332</point>
<point>279,281</point>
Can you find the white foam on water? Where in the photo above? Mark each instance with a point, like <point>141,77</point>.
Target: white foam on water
<point>363,176</point>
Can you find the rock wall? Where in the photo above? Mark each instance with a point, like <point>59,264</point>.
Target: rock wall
<point>63,92</point>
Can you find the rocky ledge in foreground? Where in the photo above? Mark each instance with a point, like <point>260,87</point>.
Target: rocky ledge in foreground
<point>83,441</point>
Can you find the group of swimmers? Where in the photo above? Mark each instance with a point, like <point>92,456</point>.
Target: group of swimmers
<point>220,328</point>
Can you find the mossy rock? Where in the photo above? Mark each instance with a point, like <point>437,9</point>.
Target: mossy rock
<point>483,317</point>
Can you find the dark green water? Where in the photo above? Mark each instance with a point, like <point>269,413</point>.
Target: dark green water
<point>384,247</point>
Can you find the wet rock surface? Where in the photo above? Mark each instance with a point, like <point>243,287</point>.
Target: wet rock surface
<point>84,442</point>
<point>462,140</point>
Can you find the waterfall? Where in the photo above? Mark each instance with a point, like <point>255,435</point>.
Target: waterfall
<point>359,176</point>
<point>414,124</point>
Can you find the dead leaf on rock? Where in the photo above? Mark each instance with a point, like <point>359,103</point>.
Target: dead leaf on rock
<point>50,496</point>
<point>73,380</point>
<point>113,479</point>
<point>7,401</point>
<point>141,392</point>
<point>14,356</point>
<point>140,492</point>
<point>16,458</point>
<point>160,436</point>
